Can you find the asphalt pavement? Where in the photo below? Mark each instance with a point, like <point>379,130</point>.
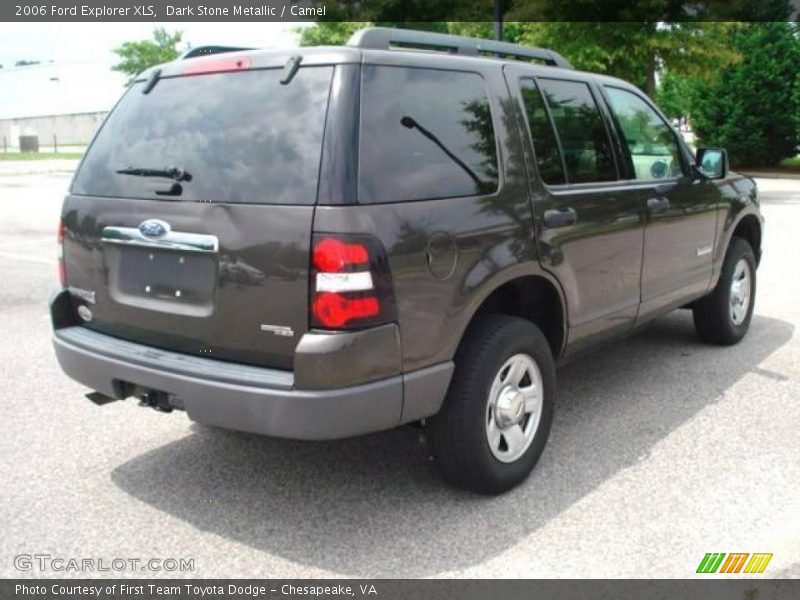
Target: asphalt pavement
<point>662,449</point>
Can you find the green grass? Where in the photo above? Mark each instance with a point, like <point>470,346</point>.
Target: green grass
<point>791,163</point>
<point>38,155</point>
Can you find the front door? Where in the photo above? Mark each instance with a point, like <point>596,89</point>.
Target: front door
<point>681,209</point>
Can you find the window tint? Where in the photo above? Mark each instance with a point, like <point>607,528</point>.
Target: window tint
<point>243,137</point>
<point>584,139</point>
<point>650,141</point>
<point>551,169</point>
<point>424,134</point>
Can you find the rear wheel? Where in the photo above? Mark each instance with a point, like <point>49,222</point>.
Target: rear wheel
<point>723,316</point>
<point>494,424</point>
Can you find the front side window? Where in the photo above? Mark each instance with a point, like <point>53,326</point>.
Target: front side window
<point>584,139</point>
<point>650,141</point>
<point>425,134</point>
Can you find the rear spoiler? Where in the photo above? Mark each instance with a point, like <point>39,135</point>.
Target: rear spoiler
<point>206,50</point>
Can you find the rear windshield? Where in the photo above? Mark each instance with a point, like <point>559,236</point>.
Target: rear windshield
<point>241,137</point>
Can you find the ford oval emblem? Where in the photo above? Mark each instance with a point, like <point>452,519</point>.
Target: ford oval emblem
<point>154,228</point>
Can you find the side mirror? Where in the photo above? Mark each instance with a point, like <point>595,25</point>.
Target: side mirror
<point>712,162</point>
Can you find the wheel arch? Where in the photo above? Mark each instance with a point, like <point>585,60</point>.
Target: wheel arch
<point>749,228</point>
<point>533,295</point>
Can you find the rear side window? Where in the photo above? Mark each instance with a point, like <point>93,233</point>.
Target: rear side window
<point>424,134</point>
<point>548,158</point>
<point>241,136</point>
<point>587,151</point>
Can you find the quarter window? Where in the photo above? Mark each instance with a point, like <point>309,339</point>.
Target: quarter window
<point>424,134</point>
<point>583,135</point>
<point>650,141</point>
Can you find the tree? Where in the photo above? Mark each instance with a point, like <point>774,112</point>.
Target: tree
<point>636,40</point>
<point>329,33</point>
<point>674,94</point>
<point>143,54</point>
<point>751,108</point>
<point>797,110</point>
<point>636,50</point>
<point>336,33</point>
<point>633,41</point>
<point>632,50</point>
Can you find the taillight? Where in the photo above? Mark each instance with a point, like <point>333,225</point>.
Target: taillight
<point>62,270</point>
<point>199,66</point>
<point>351,285</point>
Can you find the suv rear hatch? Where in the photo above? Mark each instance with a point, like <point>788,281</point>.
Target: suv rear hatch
<point>189,220</point>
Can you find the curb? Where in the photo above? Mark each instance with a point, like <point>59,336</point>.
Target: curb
<point>770,174</point>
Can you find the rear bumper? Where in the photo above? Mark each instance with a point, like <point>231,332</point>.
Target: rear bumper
<point>247,398</point>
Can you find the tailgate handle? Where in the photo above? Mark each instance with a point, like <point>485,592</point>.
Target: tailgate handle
<point>172,240</point>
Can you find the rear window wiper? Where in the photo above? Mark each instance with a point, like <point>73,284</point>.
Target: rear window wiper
<point>411,123</point>
<point>175,173</point>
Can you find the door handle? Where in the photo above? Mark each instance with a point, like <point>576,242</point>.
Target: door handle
<point>563,217</point>
<point>656,206</point>
<point>560,218</point>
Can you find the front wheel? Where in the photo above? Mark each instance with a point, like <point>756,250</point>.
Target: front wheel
<point>496,418</point>
<point>723,316</point>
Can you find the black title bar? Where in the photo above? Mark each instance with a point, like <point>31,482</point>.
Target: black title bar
<point>396,11</point>
<point>394,589</point>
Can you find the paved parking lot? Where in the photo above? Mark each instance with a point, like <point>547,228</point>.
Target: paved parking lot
<point>662,449</point>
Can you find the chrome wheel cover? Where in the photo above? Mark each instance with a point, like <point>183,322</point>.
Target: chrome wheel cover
<point>514,408</point>
<point>740,292</point>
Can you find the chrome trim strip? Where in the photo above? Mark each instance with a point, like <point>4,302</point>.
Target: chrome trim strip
<point>174,240</point>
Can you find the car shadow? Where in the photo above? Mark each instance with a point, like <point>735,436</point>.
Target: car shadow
<point>374,506</point>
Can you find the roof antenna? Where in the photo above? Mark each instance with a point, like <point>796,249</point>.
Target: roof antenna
<point>291,67</point>
<point>152,81</point>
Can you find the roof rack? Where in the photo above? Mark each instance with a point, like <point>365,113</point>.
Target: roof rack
<point>384,38</point>
<point>206,50</point>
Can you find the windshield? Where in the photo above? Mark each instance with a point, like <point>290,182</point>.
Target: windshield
<point>242,136</point>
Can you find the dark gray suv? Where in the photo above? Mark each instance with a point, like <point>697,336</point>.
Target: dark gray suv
<point>411,228</point>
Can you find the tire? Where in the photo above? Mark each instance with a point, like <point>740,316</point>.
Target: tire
<point>478,399</point>
<point>721,318</point>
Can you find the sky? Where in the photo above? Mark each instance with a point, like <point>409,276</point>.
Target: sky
<point>70,42</point>
<point>79,78</point>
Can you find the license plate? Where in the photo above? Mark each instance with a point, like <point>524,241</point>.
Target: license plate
<point>163,280</point>
<point>166,275</point>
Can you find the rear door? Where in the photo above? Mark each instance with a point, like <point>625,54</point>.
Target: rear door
<point>589,228</point>
<point>681,209</point>
<point>189,220</point>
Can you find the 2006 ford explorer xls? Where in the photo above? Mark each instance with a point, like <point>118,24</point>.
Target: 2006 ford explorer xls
<point>333,241</point>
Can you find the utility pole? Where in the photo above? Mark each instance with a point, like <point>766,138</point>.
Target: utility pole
<point>498,20</point>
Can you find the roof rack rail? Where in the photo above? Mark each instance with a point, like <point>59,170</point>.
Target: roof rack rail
<point>206,50</point>
<point>384,38</point>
